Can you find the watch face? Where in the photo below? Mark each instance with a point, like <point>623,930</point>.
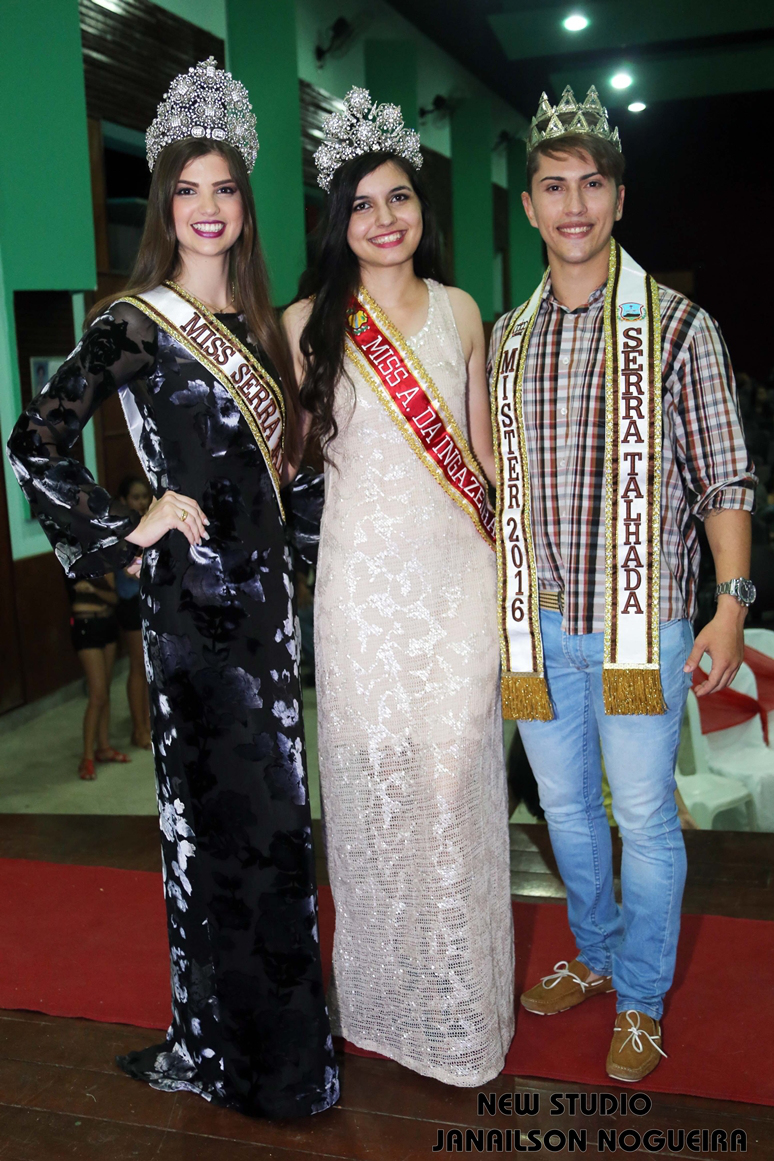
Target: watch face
<point>746,591</point>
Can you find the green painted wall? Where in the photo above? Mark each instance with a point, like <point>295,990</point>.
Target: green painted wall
<point>261,53</point>
<point>391,75</point>
<point>526,250</point>
<point>472,209</point>
<point>46,230</point>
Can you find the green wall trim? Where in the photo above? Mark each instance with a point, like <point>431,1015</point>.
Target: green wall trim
<point>27,537</point>
<point>391,76</point>
<point>124,139</point>
<point>261,52</point>
<point>472,207</point>
<point>46,224</point>
<point>526,248</point>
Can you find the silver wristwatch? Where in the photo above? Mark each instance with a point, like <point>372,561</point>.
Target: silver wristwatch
<point>741,588</point>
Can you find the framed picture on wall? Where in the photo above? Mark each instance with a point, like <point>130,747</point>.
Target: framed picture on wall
<point>42,367</point>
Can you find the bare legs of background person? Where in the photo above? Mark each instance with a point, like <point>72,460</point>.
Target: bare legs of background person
<point>137,690</point>
<point>98,667</point>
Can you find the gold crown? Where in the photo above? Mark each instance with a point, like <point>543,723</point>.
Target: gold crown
<point>570,117</point>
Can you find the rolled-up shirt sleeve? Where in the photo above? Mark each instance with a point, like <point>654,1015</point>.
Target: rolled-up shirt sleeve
<point>715,464</point>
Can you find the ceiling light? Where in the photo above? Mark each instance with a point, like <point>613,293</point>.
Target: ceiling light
<point>575,23</point>
<point>637,106</point>
<point>621,81</point>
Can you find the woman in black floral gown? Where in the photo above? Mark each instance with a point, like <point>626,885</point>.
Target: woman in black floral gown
<point>249,1024</point>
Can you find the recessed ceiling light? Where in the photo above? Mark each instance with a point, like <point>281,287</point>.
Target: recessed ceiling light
<point>621,81</point>
<point>575,23</point>
<point>637,106</point>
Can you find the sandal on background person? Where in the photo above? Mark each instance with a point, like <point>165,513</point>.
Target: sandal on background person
<point>110,755</point>
<point>86,769</point>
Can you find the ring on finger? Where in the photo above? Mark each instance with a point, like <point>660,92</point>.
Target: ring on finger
<point>184,515</point>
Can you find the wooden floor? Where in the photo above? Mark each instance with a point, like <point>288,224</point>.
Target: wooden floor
<point>62,1097</point>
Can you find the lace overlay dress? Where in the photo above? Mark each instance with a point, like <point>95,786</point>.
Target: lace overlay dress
<point>410,745</point>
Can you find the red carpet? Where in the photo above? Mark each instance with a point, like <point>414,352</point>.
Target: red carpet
<point>91,941</point>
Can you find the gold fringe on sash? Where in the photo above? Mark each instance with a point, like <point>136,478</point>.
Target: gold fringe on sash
<point>632,691</point>
<point>525,697</point>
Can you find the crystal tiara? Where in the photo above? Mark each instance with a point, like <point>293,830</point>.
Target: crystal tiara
<point>570,117</point>
<point>363,127</point>
<point>204,102</point>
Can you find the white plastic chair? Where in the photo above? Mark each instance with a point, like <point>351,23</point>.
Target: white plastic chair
<point>738,752</point>
<point>763,641</point>
<point>707,795</point>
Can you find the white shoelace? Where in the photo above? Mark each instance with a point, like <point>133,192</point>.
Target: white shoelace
<point>562,972</point>
<point>636,1033</point>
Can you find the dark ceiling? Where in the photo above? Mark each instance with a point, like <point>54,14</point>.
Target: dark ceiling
<point>673,49</point>
<point>699,178</point>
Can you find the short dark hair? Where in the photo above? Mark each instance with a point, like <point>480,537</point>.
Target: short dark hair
<point>609,161</point>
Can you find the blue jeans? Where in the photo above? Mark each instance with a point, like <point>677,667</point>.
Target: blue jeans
<point>636,943</point>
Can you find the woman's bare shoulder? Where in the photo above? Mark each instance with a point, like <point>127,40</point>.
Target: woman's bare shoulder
<point>295,318</point>
<point>463,303</point>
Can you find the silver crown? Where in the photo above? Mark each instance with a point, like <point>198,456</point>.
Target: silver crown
<point>570,117</point>
<point>205,102</point>
<point>364,127</point>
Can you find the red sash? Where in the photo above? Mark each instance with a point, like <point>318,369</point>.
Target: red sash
<point>391,368</point>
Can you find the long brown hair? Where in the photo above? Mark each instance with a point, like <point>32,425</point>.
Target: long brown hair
<point>158,259</point>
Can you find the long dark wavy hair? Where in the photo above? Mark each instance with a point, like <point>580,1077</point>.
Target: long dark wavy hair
<point>158,259</point>
<point>334,276</point>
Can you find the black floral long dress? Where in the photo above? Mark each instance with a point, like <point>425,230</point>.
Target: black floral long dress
<point>249,1024</point>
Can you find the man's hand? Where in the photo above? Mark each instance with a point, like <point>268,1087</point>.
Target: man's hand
<point>723,640</point>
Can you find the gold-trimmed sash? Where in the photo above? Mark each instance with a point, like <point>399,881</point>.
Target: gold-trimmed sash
<point>633,433</point>
<point>398,378</point>
<point>523,682</point>
<point>212,344</point>
<point>632,480</point>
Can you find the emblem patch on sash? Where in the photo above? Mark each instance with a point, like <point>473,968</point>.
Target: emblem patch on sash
<point>631,311</point>
<point>358,321</point>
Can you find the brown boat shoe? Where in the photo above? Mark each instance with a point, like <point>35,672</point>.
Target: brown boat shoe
<point>566,987</point>
<point>636,1047</point>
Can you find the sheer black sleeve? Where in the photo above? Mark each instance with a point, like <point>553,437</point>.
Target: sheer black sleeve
<point>84,524</point>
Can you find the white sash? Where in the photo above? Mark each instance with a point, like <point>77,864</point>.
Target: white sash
<point>633,419</point>
<point>247,381</point>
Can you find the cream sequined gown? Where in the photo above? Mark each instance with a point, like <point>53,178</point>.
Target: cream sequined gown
<point>410,744</point>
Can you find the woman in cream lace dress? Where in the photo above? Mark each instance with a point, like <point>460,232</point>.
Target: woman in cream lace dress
<point>410,732</point>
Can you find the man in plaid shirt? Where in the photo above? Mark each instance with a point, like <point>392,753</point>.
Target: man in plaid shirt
<point>574,197</point>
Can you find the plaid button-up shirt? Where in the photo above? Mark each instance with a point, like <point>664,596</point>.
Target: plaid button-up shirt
<point>705,464</point>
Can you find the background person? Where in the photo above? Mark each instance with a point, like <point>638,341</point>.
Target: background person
<point>94,634</point>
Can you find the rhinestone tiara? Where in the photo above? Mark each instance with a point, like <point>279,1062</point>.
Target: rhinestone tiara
<point>204,102</point>
<point>570,117</point>
<point>363,127</point>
